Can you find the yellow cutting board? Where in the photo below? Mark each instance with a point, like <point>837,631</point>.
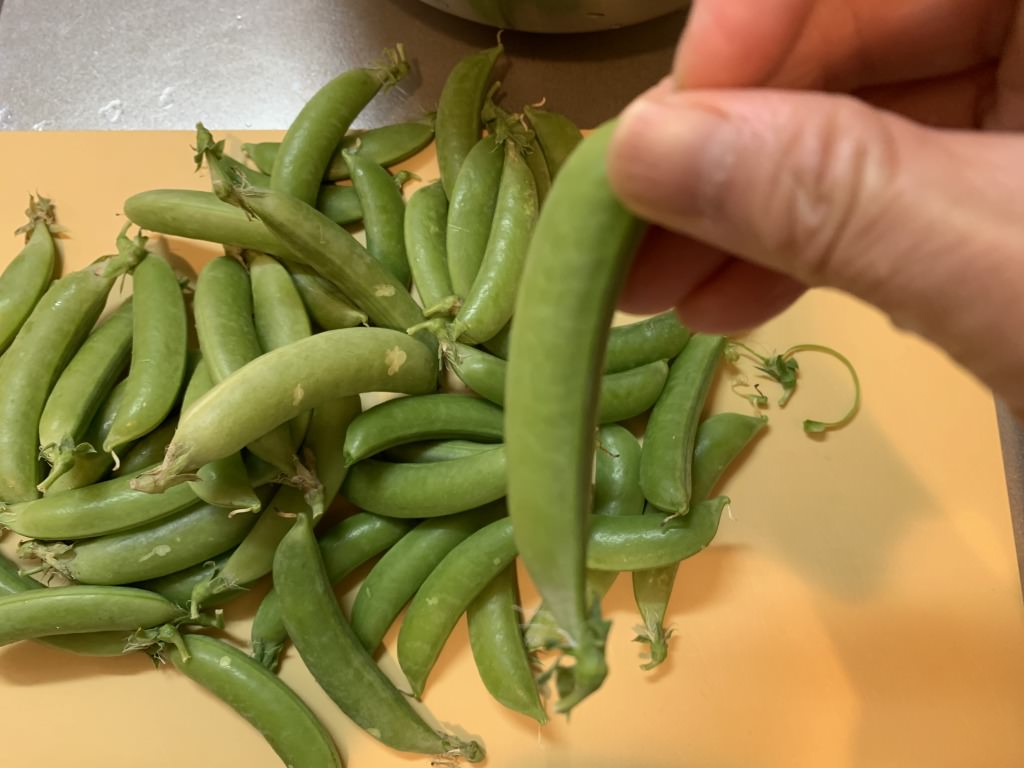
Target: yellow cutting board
<point>859,608</point>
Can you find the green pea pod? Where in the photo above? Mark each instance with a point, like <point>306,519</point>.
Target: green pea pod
<point>148,451</point>
<point>90,466</point>
<point>534,157</point>
<point>288,725</point>
<point>458,112</point>
<point>383,214</point>
<point>339,663</point>
<point>435,450</point>
<point>79,392</point>
<point>27,277</point>
<point>557,135</point>
<point>320,126</point>
<point>474,199</point>
<point>159,348</point>
<point>498,650</point>
<point>720,440</point>
<point>563,313</point>
<point>29,368</point>
<point>426,217</point>
<point>344,548</point>
<point>665,468</point>
<point>326,306</point>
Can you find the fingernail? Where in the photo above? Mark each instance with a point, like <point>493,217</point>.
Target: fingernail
<point>671,157</point>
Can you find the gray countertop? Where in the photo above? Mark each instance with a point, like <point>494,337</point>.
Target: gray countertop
<point>69,65</point>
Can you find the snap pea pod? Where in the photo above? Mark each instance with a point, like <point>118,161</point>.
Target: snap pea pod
<point>386,145</point>
<point>534,157</point>
<point>563,314</point>
<point>37,613</point>
<point>427,490</point>
<point>206,146</point>
<point>383,214</point>
<point>474,198</point>
<point>720,440</point>
<point>281,384</point>
<point>159,351</point>
<point>318,129</point>
<point>498,650</point>
<point>177,587</point>
<point>27,277</point>
<point>30,366</point>
<point>327,307</point>
<point>556,134</point>
<point>458,112</point>
<point>347,546</point>
<point>288,725</point>
<point>79,392</point>
<point>624,543</point>
<point>436,450</point>
<point>426,217</point>
<point>148,451</point>
<point>395,578</point>
<point>89,467</point>
<point>622,395</point>
<point>162,547</point>
<point>488,304</point>
<point>665,467</point>
<point>340,204</point>
<point>85,644</point>
<point>422,417</point>
<point>343,668</point>
<point>254,556</point>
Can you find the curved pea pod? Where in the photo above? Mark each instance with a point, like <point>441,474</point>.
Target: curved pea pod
<point>383,214</point>
<point>315,133</point>
<point>474,199</point>
<point>487,306</point>
<point>556,134</point>
<point>563,314</point>
<point>288,725</point>
<point>426,216</point>
<point>665,467</point>
<point>26,278</point>
<point>435,450</point>
<point>281,384</point>
<point>427,490</point>
<point>148,451</point>
<point>343,668</point>
<point>498,650</point>
<point>91,466</point>
<point>347,546</point>
<point>458,112</point>
<point>81,389</point>
<point>30,366</point>
<point>720,440</point>
<point>395,578</point>
<point>423,417</point>
<point>622,395</point>
<point>159,348</point>
<point>327,307</point>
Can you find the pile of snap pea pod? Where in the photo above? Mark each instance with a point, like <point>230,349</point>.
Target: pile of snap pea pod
<point>156,479</point>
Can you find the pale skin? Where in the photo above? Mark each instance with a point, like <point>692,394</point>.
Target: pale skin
<point>875,146</point>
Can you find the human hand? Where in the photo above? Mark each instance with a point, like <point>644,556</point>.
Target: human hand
<point>909,193</point>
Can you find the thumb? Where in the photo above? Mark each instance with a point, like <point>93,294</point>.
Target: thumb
<point>920,222</point>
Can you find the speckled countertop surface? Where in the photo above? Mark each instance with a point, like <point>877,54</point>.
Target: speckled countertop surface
<point>68,65</point>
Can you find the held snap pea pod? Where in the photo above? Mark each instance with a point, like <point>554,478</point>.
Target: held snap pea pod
<point>423,417</point>
<point>255,555</point>
<point>343,668</point>
<point>426,216</point>
<point>386,145</point>
<point>89,467</point>
<point>383,213</point>
<point>37,613</point>
<point>556,134</point>
<point>458,112</point>
<point>30,366</point>
<point>435,450</point>
<point>624,543</point>
<point>159,349</point>
<point>281,384</point>
<point>473,202</point>
<point>318,129</point>
<point>665,467</point>
<point>720,440</point>
<point>325,304</point>
<point>347,546</point>
<point>395,578</point>
<point>563,314</point>
<point>79,392</point>
<point>622,395</point>
<point>427,490</point>
<point>26,278</point>
<point>163,547</point>
<point>488,304</point>
<point>288,725</point>
<point>498,649</point>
